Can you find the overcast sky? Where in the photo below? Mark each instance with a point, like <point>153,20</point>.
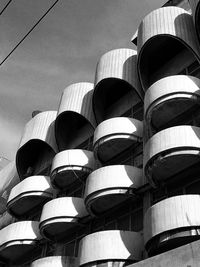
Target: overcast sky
<point>63,49</point>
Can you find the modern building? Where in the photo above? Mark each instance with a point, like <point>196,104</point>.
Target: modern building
<point>112,178</point>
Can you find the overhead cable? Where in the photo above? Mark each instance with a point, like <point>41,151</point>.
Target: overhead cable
<point>1,12</point>
<point>18,44</point>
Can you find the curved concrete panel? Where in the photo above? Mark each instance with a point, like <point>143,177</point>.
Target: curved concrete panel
<point>29,196</point>
<point>167,44</point>
<point>60,215</point>
<point>195,6</point>
<point>37,147</point>
<point>171,101</point>
<point>171,223</point>
<point>71,165</point>
<point>111,185</point>
<point>55,261</point>
<point>115,135</point>
<point>117,87</point>
<point>9,178</point>
<point>75,122</point>
<point>172,151</point>
<point>18,240</point>
<point>110,246</point>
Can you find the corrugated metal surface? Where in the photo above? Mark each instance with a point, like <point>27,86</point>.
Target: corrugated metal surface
<point>63,207</point>
<point>172,213</point>
<point>74,157</point>
<point>121,64</point>
<point>20,231</point>
<point>119,125</point>
<point>174,22</point>
<point>55,261</point>
<point>41,127</point>
<point>114,176</point>
<point>110,245</point>
<point>37,183</point>
<point>171,85</point>
<point>175,138</point>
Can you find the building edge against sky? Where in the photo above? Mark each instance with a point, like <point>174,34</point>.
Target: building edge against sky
<point>112,176</point>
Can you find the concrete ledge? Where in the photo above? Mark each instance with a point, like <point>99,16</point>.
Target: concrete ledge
<point>185,256</point>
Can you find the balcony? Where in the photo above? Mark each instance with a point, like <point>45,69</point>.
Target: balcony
<point>19,242</point>
<point>109,186</point>
<point>172,101</point>
<point>171,223</point>
<point>37,147</point>
<point>75,122</point>
<point>69,166</point>
<point>61,215</point>
<point>172,153</point>
<point>114,136</point>
<point>113,247</point>
<point>116,84</point>
<point>28,197</point>
<point>167,44</point>
<point>195,6</point>
<point>55,261</point>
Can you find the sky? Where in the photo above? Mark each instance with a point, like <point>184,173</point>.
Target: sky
<point>63,49</point>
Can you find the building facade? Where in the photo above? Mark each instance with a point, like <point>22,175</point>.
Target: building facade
<point>112,177</point>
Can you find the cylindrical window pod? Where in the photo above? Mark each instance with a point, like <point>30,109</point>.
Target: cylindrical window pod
<point>69,166</point>
<point>114,136</point>
<point>28,197</point>
<point>195,6</point>
<point>55,261</point>
<point>172,101</point>
<point>171,223</point>
<point>172,153</point>
<point>117,86</point>
<point>20,241</point>
<point>110,186</point>
<point>37,147</point>
<point>59,217</point>
<point>110,247</point>
<point>75,122</point>
<point>167,44</point>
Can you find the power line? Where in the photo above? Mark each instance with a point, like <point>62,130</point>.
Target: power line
<point>29,32</point>
<point>1,12</point>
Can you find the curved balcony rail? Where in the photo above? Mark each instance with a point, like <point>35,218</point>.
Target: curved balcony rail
<point>172,101</point>
<point>70,166</point>
<point>109,186</point>
<point>110,247</point>
<point>195,6</point>
<point>60,215</point>
<point>114,136</point>
<point>171,153</point>
<point>75,122</point>
<point>29,196</point>
<point>37,147</point>
<point>171,223</point>
<point>19,241</point>
<point>167,43</point>
<point>117,88</point>
<point>55,261</point>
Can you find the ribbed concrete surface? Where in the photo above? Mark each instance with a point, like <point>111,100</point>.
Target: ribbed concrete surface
<point>110,245</point>
<point>75,106</point>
